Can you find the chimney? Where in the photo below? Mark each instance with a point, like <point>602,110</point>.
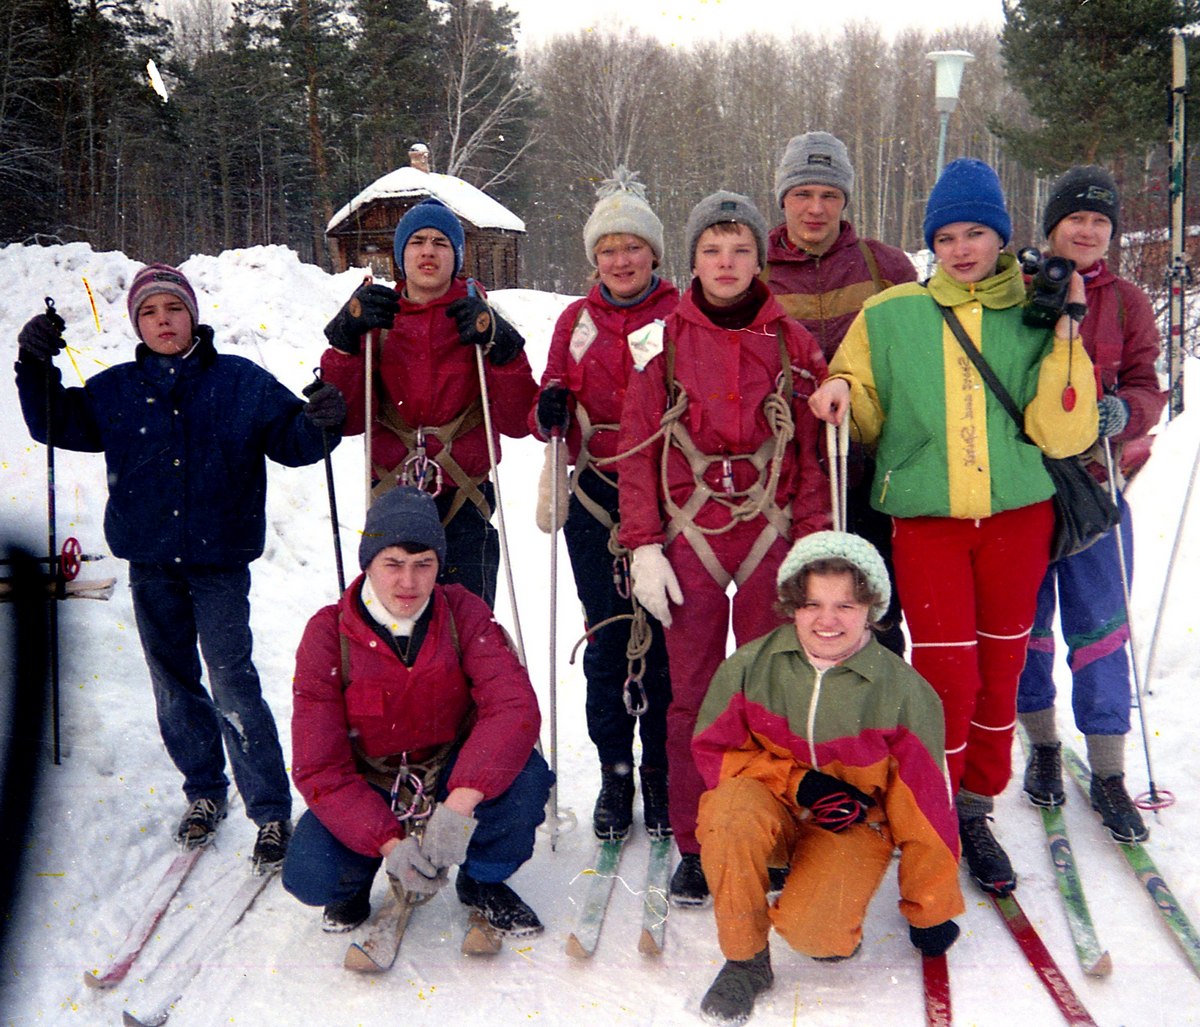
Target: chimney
<point>418,157</point>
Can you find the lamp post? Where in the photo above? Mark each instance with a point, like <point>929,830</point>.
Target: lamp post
<point>948,65</point>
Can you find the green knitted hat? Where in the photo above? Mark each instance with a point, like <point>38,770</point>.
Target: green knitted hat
<point>831,545</point>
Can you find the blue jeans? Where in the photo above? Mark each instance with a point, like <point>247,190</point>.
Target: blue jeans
<point>319,869</point>
<point>1088,592</point>
<point>610,726</point>
<point>175,606</point>
<point>472,546</point>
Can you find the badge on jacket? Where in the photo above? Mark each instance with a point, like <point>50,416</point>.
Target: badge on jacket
<point>583,335</point>
<point>646,343</point>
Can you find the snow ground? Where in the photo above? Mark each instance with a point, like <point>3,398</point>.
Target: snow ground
<point>105,815</point>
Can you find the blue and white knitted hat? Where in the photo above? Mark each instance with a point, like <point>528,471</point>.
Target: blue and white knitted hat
<point>430,213</point>
<point>834,545</point>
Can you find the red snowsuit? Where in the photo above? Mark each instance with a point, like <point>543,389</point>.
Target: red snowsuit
<point>465,679</point>
<point>726,376</point>
<point>428,378</point>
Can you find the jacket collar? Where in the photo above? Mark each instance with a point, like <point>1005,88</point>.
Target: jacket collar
<point>1003,289</point>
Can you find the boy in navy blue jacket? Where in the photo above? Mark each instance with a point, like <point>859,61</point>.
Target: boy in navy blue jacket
<point>186,433</point>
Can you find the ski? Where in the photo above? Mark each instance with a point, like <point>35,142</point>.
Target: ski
<point>156,906</point>
<point>481,939</point>
<point>582,942</point>
<point>936,976</point>
<point>654,897</point>
<point>1094,959</point>
<point>1143,866</point>
<point>202,948</point>
<point>1043,964</point>
<point>377,951</point>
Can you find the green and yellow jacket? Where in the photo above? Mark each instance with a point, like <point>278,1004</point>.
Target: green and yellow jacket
<point>870,721</point>
<point>945,445</point>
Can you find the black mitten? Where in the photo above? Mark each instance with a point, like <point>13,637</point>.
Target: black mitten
<point>371,306</point>
<point>552,410</point>
<point>834,804</point>
<point>936,940</point>
<point>42,338</point>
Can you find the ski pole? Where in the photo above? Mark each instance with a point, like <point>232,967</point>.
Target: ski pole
<point>1158,800</point>
<point>555,446</point>
<point>52,537</point>
<point>368,405</point>
<point>308,390</point>
<point>493,459</point>
<point>837,440</point>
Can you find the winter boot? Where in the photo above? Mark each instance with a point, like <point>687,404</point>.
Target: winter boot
<point>199,823</point>
<point>776,879</point>
<point>654,801</point>
<point>346,915</point>
<point>614,806</point>
<point>688,886</point>
<point>271,846</point>
<point>730,998</point>
<point>1043,775</point>
<point>502,907</point>
<point>1116,809</point>
<point>989,864</point>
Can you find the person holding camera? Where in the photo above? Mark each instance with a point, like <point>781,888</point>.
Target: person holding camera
<point>1120,336</point>
<point>969,496</point>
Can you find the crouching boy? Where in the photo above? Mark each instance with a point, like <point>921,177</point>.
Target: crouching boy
<point>822,750</point>
<point>413,733</point>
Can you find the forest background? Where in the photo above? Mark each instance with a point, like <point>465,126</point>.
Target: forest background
<point>280,111</point>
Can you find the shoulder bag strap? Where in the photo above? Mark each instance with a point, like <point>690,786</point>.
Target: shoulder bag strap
<point>983,367</point>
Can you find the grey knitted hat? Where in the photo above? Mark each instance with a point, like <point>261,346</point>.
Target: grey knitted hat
<point>725,207</point>
<point>832,545</point>
<point>622,209</point>
<point>405,514</point>
<point>815,158</point>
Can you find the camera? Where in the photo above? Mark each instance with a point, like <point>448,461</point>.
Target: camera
<point>1049,282</point>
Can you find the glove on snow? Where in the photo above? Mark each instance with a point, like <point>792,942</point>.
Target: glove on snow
<point>447,836</point>
<point>834,804</point>
<point>41,338</point>
<point>326,406</point>
<point>479,325</point>
<point>552,410</point>
<point>1114,415</point>
<point>371,306</point>
<point>413,870</point>
<point>936,940</point>
<point>654,582</point>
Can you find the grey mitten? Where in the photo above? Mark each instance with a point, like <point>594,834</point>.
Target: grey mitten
<point>1114,415</point>
<point>412,869</point>
<point>446,838</point>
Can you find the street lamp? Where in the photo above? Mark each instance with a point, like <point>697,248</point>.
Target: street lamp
<point>948,65</point>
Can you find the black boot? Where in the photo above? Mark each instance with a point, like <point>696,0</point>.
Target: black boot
<point>654,801</point>
<point>502,907</point>
<point>1116,809</point>
<point>614,806</point>
<point>989,864</point>
<point>730,998</point>
<point>346,915</point>
<point>1043,775</point>
<point>688,886</point>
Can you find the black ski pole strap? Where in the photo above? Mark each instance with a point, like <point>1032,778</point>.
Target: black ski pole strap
<point>984,369</point>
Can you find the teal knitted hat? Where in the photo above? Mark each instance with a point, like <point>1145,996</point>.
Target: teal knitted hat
<point>833,545</point>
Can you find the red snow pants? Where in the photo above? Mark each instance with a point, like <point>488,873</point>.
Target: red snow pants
<point>696,644</point>
<point>969,593</point>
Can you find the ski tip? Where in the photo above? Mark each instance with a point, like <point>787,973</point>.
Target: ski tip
<point>95,982</point>
<point>1101,968</point>
<point>481,939</point>
<point>576,950</point>
<point>648,945</point>
<point>358,961</point>
<point>154,1020</point>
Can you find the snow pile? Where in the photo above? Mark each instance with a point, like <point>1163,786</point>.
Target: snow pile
<point>106,814</point>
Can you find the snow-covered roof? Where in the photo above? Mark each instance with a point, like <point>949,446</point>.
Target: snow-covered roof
<point>469,203</point>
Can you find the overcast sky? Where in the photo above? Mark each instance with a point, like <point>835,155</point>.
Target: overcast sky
<point>686,21</point>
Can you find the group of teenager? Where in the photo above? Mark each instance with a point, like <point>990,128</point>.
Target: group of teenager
<point>699,502</point>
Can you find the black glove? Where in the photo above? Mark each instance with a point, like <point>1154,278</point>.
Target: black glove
<point>479,325</point>
<point>326,406</point>
<point>552,410</point>
<point>371,306</point>
<point>934,941</point>
<point>834,804</point>
<point>41,338</point>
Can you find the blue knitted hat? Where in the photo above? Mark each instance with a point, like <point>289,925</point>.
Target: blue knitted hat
<point>430,213</point>
<point>840,545</point>
<point>968,190</point>
<point>405,514</point>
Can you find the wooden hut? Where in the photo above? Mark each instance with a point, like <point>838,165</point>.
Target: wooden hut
<point>361,234</point>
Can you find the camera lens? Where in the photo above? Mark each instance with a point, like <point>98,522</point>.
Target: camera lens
<point>1057,269</point>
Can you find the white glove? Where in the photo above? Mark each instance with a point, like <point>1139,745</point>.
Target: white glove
<point>654,582</point>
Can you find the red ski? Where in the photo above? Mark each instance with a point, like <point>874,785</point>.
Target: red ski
<point>937,991</point>
<point>1042,962</point>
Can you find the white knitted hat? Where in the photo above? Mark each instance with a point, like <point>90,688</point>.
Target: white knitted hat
<point>621,209</point>
<point>832,545</point>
